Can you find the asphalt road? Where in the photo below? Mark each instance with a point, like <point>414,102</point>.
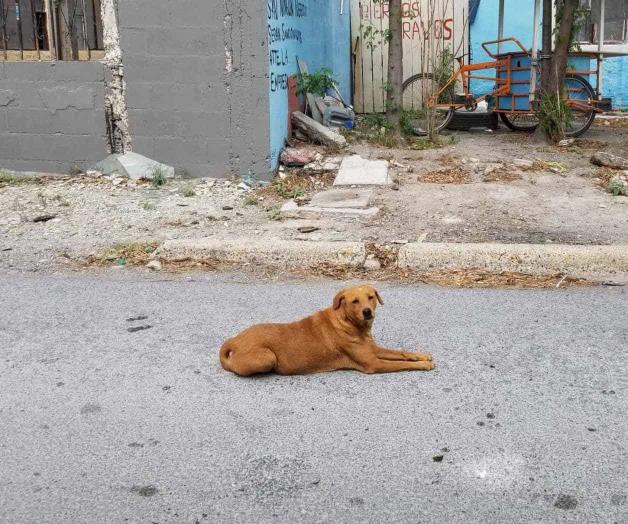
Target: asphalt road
<point>527,408</point>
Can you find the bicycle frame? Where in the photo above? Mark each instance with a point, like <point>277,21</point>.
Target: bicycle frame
<point>503,63</point>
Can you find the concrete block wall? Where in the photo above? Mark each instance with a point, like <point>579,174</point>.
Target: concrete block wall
<point>195,87</point>
<point>51,115</point>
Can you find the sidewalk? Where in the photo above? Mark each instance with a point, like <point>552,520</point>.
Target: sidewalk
<point>485,189</point>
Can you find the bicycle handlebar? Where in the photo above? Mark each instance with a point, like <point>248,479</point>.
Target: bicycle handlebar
<point>501,40</point>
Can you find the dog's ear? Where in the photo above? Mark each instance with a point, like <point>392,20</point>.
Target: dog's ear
<point>379,299</point>
<point>340,296</point>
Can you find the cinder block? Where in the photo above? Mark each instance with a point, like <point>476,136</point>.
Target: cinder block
<point>184,41</point>
<point>65,97</point>
<point>144,145</point>
<point>4,126</point>
<point>138,94</point>
<point>42,166</point>
<point>9,147</point>
<point>134,40</point>
<point>156,123</point>
<point>78,122</point>
<point>83,72</point>
<point>28,71</point>
<point>174,151</point>
<point>33,121</point>
<point>50,147</point>
<point>96,148</point>
<point>140,13</point>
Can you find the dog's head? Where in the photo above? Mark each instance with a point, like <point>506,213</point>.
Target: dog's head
<point>358,304</point>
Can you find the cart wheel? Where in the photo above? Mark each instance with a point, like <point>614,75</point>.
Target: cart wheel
<point>525,122</point>
<point>416,91</point>
<point>577,88</point>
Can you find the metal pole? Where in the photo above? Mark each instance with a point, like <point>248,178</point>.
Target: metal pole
<point>500,26</point>
<point>535,48</point>
<point>600,44</point>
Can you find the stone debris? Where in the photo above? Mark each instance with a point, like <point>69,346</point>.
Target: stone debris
<point>371,263</point>
<point>566,142</point>
<point>293,157</point>
<point>343,198</point>
<point>355,170</point>
<point>609,160</point>
<point>522,163</point>
<point>134,166</point>
<point>318,132</point>
<point>154,265</point>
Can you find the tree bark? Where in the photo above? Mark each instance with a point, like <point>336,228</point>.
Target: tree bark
<point>558,63</point>
<point>394,90</point>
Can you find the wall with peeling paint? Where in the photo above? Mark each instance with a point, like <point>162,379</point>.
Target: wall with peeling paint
<point>51,115</point>
<point>312,30</point>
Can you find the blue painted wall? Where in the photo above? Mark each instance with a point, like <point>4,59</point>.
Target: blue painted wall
<point>315,31</point>
<point>518,23</point>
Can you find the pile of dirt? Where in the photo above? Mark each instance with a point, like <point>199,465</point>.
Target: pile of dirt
<point>450,175</point>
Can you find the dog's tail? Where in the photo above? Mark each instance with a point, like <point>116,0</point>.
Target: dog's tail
<point>226,352</point>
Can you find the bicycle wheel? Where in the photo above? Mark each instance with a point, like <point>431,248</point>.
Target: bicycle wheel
<point>416,91</point>
<point>526,122</point>
<point>577,88</point>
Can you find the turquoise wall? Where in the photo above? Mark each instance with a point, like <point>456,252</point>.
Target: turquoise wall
<point>315,31</point>
<point>518,23</point>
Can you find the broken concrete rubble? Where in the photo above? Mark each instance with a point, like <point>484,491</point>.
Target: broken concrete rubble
<point>133,165</point>
<point>609,160</point>
<point>356,170</point>
<point>293,157</point>
<point>317,132</point>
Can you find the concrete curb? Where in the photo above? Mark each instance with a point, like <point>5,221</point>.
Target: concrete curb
<point>594,262</point>
<point>535,259</point>
<point>265,251</point>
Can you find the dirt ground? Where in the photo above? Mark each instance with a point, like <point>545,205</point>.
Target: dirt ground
<point>466,191</point>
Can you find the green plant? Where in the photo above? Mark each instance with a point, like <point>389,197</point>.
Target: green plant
<point>275,214</point>
<point>158,177</point>
<point>9,179</point>
<point>188,192</point>
<point>316,83</point>
<point>251,200</point>
<point>375,120</point>
<point>617,187</point>
<point>554,115</point>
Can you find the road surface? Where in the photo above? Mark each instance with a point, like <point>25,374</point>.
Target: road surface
<point>524,419</point>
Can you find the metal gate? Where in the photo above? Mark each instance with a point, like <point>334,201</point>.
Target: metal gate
<point>446,20</point>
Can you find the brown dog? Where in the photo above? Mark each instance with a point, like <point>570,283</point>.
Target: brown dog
<point>338,337</point>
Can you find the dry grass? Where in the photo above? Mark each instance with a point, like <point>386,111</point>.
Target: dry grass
<point>611,123</point>
<point>133,253</point>
<point>603,176</point>
<point>463,278</point>
<point>453,175</point>
<point>294,186</point>
<point>502,174</point>
<point>9,179</point>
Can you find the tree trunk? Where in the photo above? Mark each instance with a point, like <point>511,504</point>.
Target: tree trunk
<point>558,63</point>
<point>394,91</point>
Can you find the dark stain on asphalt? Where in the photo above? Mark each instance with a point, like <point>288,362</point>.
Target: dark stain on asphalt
<point>59,384</point>
<point>592,429</point>
<point>136,445</point>
<point>480,423</point>
<point>90,408</point>
<point>356,501</point>
<point>138,328</point>
<point>139,317</point>
<point>145,491</point>
<point>490,415</point>
<point>609,392</point>
<point>438,458</point>
<point>565,502</point>
<point>618,499</point>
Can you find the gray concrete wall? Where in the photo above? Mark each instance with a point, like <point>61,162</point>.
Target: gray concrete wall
<point>197,91</point>
<point>196,84</point>
<point>51,115</point>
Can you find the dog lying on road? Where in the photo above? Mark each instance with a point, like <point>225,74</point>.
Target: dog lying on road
<point>338,337</point>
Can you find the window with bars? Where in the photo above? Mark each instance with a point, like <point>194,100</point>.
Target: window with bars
<point>50,30</point>
<point>615,22</point>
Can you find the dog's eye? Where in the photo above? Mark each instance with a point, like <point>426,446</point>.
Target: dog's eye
<point>371,298</point>
<point>356,301</point>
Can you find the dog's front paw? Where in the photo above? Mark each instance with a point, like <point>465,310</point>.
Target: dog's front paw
<point>422,356</point>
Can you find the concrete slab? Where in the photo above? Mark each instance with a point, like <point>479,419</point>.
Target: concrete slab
<point>343,198</point>
<point>133,165</point>
<point>359,171</point>
<point>291,210</point>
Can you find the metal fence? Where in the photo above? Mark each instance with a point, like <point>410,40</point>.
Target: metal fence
<point>50,29</point>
